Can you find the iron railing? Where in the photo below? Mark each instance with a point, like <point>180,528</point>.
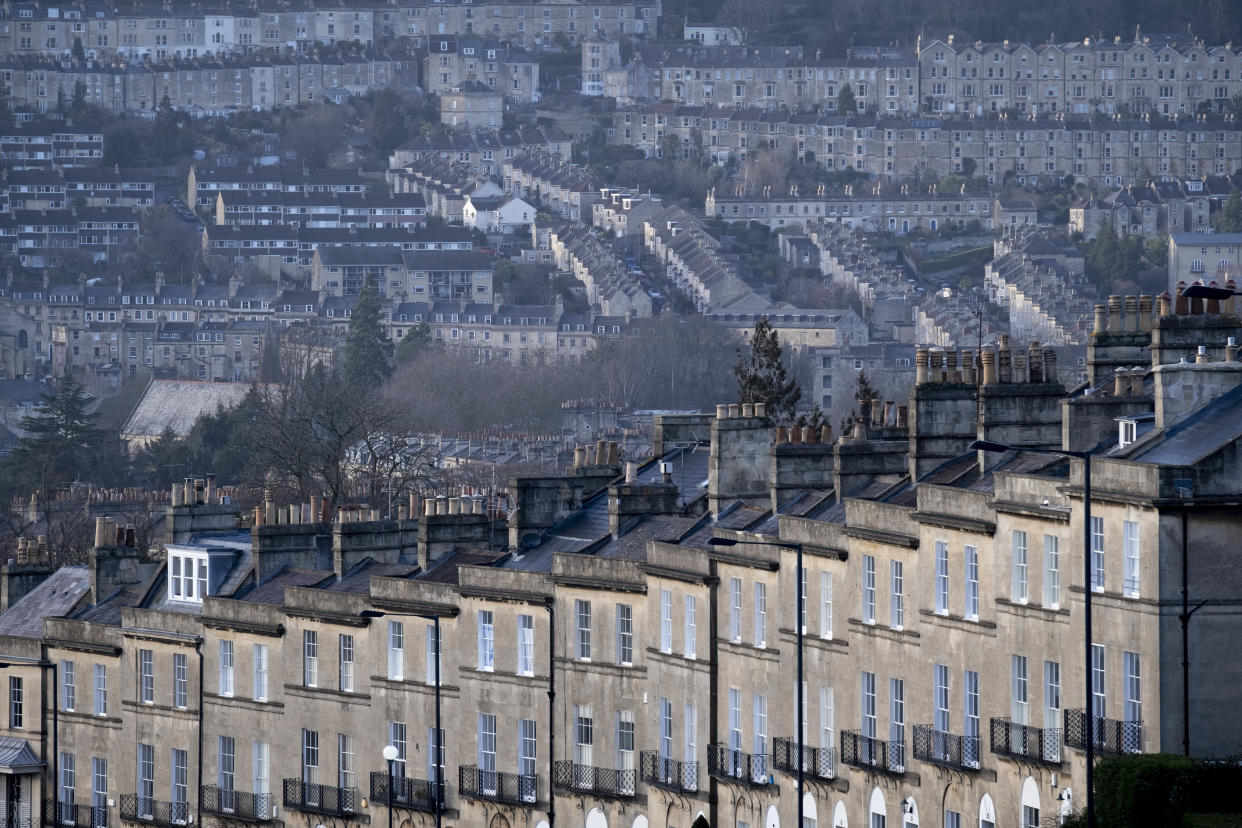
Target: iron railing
<point>723,762</point>
<point>948,749</point>
<point>872,753</point>
<point>511,788</point>
<point>1019,741</point>
<point>817,762</point>
<point>668,774</point>
<point>1108,735</point>
<point>248,807</point>
<point>604,782</point>
<point>137,808</point>
<point>70,814</point>
<point>416,794</point>
<point>320,799</point>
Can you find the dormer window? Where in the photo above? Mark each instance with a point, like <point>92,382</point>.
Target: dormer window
<point>1127,432</point>
<point>187,576</point>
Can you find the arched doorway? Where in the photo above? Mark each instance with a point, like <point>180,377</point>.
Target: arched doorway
<point>810,815</point>
<point>772,819</point>
<point>987,812</point>
<point>700,821</point>
<point>596,819</point>
<point>839,819</point>
<point>878,810</point>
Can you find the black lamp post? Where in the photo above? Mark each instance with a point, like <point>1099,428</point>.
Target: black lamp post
<point>390,756</point>
<point>796,547</point>
<point>438,794</point>
<point>44,665</point>
<point>1085,456</point>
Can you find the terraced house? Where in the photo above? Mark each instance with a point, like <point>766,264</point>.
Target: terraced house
<point>598,657</point>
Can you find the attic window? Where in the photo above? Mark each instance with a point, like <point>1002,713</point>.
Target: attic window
<point>187,577</point>
<point>1127,432</point>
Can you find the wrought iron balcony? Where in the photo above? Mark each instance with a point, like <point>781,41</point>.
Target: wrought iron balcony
<point>1031,744</point>
<point>668,774</point>
<point>872,753</point>
<point>242,805</point>
<point>320,799</point>
<point>604,782</point>
<point>511,788</point>
<point>1108,735</point>
<point>817,762</point>
<point>948,749</point>
<point>732,765</point>
<point>154,811</point>
<point>415,794</point>
<point>79,816</point>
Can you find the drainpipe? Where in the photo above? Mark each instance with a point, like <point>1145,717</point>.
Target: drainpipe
<point>198,792</point>
<point>551,608</point>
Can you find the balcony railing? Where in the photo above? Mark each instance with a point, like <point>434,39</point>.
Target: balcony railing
<point>320,799</point>
<point>78,816</point>
<point>415,794</point>
<point>511,788</point>
<point>242,805</point>
<point>817,762</point>
<point>872,753</point>
<point>154,811</point>
<point>604,782</point>
<point>947,749</point>
<point>1108,735</point>
<point>1019,741</point>
<point>732,765</point>
<point>668,774</point>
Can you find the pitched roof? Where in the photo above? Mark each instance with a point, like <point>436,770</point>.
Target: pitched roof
<point>57,596</point>
<point>177,404</point>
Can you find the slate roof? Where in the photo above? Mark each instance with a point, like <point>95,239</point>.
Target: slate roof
<point>1198,435</point>
<point>57,596</point>
<point>176,404</point>
<point>17,757</point>
<point>272,591</point>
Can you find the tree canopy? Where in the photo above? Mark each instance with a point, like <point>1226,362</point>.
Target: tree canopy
<point>761,374</point>
<point>368,352</point>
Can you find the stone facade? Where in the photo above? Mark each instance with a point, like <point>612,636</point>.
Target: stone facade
<point>610,666</point>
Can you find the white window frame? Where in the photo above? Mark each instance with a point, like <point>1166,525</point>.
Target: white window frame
<point>345,656</point>
<point>1019,586</point>
<point>868,591</point>
<point>1130,586</point>
<point>970,553</point>
<point>825,605</point>
<point>625,634</point>
<point>260,655</point>
<point>896,598</point>
<point>942,578</point>
<point>396,651</point>
<point>761,614</point>
<point>486,645</point>
<point>666,621</point>
<point>582,630</point>
<point>227,661</point>
<point>526,645</point>
<point>689,631</point>
<point>1052,572</point>
<point>310,658</point>
<point>1097,554</point>
<point>735,610</point>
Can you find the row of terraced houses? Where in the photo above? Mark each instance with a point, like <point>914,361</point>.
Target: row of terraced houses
<point>594,659</point>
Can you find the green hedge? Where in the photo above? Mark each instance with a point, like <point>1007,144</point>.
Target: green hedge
<point>1163,790</point>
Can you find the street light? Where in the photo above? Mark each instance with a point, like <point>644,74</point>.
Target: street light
<point>438,747</point>
<point>390,756</point>
<point>1089,711</point>
<point>43,665</point>
<point>796,547</point>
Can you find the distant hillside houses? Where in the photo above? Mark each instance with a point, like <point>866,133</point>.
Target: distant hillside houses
<point>1106,152</point>
<point>203,85</point>
<point>178,30</point>
<point>1165,75</point>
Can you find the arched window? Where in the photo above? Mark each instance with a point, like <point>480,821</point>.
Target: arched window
<point>987,812</point>
<point>878,810</point>
<point>810,815</point>
<point>839,819</point>
<point>909,813</point>
<point>1030,804</point>
<point>22,340</point>
<point>640,821</point>
<point>772,819</point>
<point>596,819</point>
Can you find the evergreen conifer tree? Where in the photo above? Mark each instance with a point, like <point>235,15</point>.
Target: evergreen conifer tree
<point>368,353</point>
<point>761,375</point>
